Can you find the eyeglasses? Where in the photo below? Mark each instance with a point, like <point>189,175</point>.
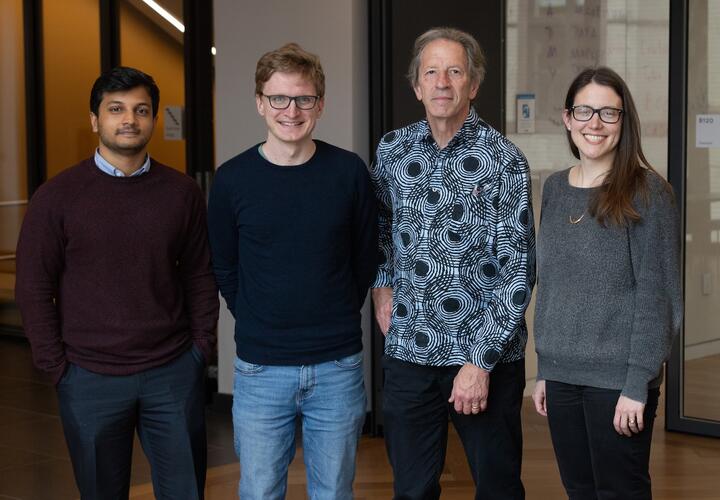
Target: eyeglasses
<point>301,101</point>
<point>585,114</point>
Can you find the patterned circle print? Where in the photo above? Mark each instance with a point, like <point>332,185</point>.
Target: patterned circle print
<point>406,174</point>
<point>405,238</point>
<point>469,329</point>
<point>447,299</point>
<point>414,169</point>
<point>470,164</point>
<point>482,267</point>
<point>404,310</point>
<point>469,170</point>
<point>433,196</point>
<point>448,243</point>
<point>516,297</point>
<point>508,211</point>
<point>389,137</point>
<point>441,343</point>
<point>424,270</point>
<point>524,217</point>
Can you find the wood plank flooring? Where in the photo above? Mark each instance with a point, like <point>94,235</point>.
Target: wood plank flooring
<point>683,467</point>
<point>34,464</point>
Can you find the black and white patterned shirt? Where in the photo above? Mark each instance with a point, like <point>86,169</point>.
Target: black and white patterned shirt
<point>457,244</point>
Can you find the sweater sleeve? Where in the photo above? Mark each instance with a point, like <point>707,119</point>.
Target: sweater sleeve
<point>201,300</point>
<point>223,238</point>
<point>40,262</point>
<point>515,252</point>
<point>381,184</point>
<point>547,194</point>
<point>365,232</point>
<point>655,254</point>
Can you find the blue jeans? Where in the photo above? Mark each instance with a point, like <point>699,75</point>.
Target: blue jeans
<point>329,400</point>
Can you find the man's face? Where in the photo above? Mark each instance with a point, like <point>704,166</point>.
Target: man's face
<point>444,84</point>
<point>124,122</point>
<point>291,125</point>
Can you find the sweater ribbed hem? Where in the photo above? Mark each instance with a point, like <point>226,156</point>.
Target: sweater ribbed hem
<point>601,376</point>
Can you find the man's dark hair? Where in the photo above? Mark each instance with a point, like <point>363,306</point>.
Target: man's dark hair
<point>120,79</point>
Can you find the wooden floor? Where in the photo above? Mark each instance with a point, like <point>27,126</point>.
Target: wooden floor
<point>34,464</point>
<point>683,467</point>
<point>702,389</point>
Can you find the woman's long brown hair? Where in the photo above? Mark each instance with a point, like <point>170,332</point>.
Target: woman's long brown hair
<point>613,202</point>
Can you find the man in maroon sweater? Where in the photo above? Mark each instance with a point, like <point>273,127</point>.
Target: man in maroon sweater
<point>119,302</point>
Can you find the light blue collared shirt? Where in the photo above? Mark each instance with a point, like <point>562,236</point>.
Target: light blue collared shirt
<point>106,167</point>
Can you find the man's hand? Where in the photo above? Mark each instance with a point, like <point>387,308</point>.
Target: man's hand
<point>538,397</point>
<point>628,416</point>
<point>470,390</point>
<point>383,301</point>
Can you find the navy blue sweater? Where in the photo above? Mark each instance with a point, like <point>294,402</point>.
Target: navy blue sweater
<point>294,251</point>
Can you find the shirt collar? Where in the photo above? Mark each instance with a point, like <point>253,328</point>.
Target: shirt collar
<point>107,168</point>
<point>467,132</point>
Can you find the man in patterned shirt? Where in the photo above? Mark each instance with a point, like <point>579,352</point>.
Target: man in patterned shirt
<point>458,266</point>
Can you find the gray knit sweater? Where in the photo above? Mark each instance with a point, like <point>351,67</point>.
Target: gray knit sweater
<point>608,298</point>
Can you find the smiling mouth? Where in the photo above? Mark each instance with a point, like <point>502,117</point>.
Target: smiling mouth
<point>593,137</point>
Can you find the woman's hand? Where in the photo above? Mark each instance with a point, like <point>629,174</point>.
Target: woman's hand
<point>538,397</point>
<point>628,416</point>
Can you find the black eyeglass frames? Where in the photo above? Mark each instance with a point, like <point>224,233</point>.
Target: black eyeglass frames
<point>301,101</point>
<point>607,114</point>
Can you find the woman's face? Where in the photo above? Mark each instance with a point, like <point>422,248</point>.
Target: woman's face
<point>595,139</point>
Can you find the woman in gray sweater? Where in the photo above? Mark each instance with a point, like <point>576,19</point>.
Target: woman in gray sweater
<point>608,295</point>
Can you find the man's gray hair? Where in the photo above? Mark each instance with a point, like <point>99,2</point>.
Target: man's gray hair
<point>475,55</point>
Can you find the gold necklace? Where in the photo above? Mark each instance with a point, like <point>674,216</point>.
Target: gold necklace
<point>576,221</point>
<point>580,183</point>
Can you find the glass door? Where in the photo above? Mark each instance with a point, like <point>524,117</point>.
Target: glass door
<point>13,164</point>
<point>694,371</point>
<point>152,40</point>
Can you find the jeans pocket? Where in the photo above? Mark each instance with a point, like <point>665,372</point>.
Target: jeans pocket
<point>350,362</point>
<point>245,368</point>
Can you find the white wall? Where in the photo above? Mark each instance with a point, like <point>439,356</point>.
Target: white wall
<point>631,36</point>
<point>246,30</point>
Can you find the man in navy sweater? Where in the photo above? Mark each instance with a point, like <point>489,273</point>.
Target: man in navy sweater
<point>294,242</point>
<point>119,303</point>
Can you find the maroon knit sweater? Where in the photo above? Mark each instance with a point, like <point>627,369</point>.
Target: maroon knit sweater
<point>113,273</point>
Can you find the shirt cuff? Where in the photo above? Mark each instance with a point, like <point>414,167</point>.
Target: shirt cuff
<point>484,356</point>
<point>383,279</point>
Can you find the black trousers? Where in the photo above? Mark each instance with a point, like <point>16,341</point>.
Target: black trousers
<point>415,411</point>
<point>597,463</point>
<point>101,413</point>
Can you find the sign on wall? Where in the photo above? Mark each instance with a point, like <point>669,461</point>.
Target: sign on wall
<point>173,123</point>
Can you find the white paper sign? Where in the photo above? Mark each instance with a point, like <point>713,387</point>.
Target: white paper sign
<point>525,113</point>
<point>707,131</point>
<point>173,123</point>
